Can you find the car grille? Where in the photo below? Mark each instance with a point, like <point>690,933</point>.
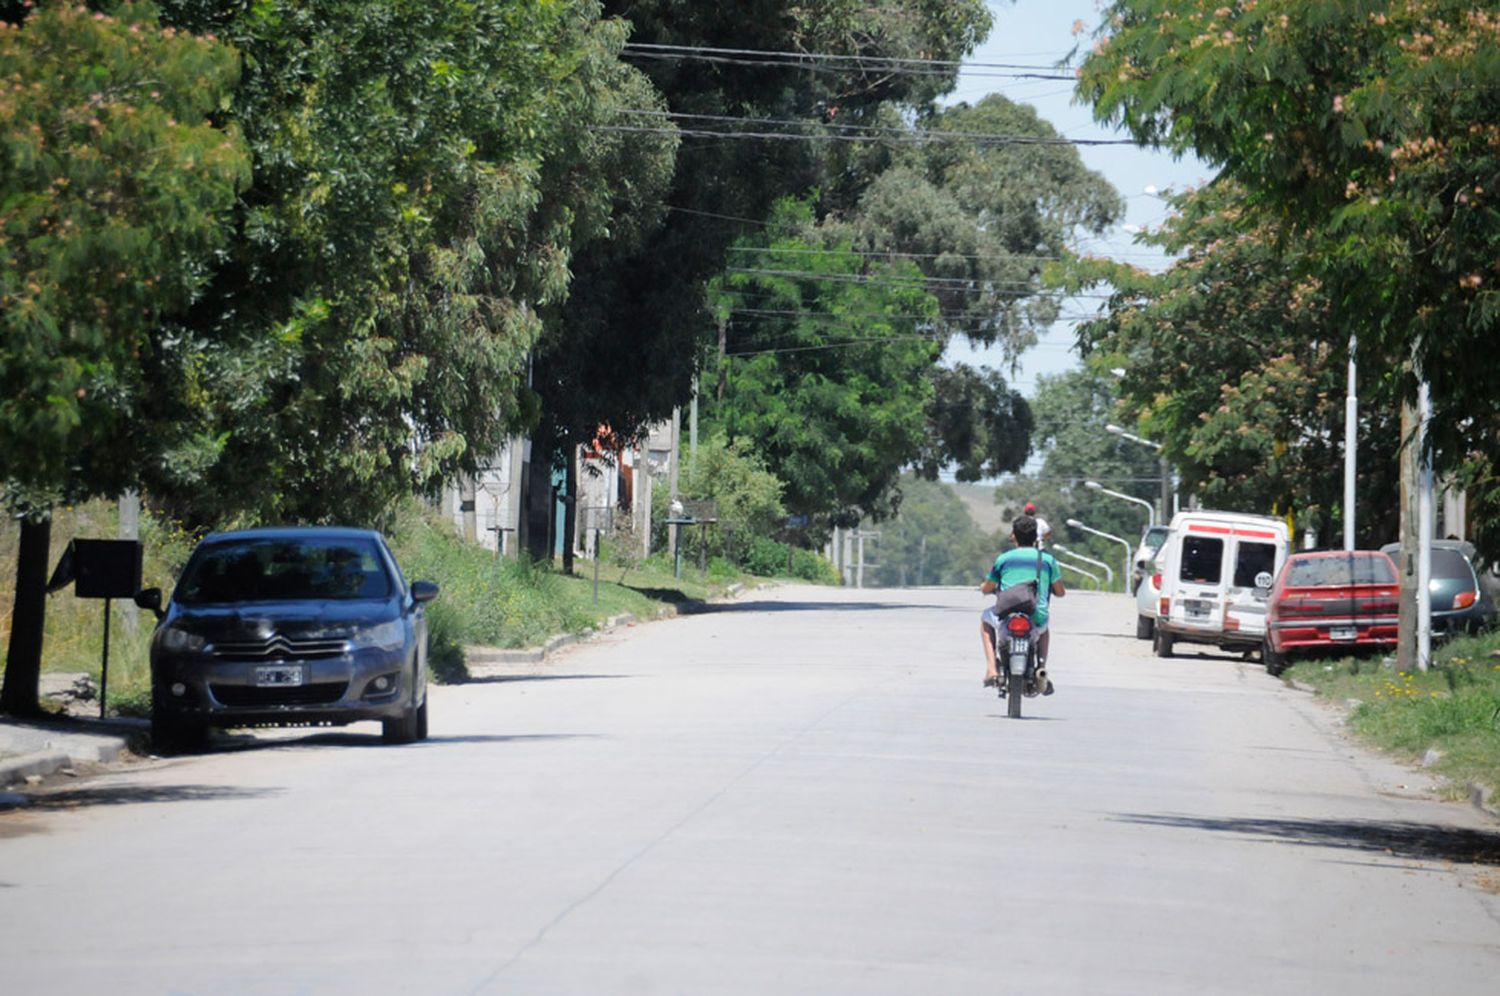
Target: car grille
<point>280,648</point>
<point>248,696</point>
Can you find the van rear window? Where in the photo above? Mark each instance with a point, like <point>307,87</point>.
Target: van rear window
<point>1253,559</point>
<point>1202,560</point>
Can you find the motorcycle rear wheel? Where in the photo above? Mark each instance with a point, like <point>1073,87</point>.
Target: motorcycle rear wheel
<point>1014,691</point>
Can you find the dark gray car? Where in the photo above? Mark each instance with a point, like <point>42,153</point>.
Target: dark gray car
<point>290,627</point>
<point>1460,604</point>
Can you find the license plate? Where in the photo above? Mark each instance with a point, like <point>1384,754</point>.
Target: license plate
<point>1018,646</point>
<point>278,676</point>
<point>1343,633</point>
<point>1196,609</point>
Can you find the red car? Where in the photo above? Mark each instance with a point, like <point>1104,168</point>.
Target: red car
<point>1335,600</point>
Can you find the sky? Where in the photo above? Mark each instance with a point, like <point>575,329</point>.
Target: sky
<point>1040,32</point>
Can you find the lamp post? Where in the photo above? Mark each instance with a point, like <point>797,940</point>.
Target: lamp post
<point>1079,570</point>
<point>1150,508</point>
<point>1109,536</point>
<point>1166,468</point>
<point>1109,572</point>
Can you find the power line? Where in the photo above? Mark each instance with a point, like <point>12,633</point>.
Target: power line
<point>836,133</point>
<point>830,62</point>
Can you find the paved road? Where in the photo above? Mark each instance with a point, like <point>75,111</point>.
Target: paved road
<point>807,793</point>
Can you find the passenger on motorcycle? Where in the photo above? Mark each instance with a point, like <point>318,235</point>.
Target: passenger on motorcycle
<point>1013,567</point>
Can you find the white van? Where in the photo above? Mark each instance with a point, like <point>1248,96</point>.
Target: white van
<point>1216,570</point>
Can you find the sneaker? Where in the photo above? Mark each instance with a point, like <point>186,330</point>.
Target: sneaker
<point>1049,689</point>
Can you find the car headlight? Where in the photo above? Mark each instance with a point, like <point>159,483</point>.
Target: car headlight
<point>387,634</point>
<point>179,641</point>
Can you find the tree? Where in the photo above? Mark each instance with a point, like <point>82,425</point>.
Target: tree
<point>624,349</point>
<point>1235,362</point>
<point>114,192</point>
<point>828,379</point>
<point>932,539</point>
<point>422,174</point>
<point>1372,131</point>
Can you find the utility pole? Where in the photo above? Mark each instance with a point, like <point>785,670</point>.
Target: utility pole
<point>1351,438</point>
<point>672,474</point>
<point>723,357</point>
<point>130,529</point>
<point>467,496</point>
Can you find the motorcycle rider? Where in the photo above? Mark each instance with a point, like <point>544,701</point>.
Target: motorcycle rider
<point>1043,531</point>
<point>1013,567</point>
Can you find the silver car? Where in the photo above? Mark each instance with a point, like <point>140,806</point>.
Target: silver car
<point>289,627</point>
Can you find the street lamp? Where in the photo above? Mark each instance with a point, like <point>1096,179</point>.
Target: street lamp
<point>1079,570</point>
<point>1150,509</point>
<point>1109,572</point>
<point>1109,536</point>
<point>1166,468</point>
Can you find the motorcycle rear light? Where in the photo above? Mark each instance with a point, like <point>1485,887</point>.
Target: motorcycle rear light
<point>1018,625</point>
<point>1464,599</point>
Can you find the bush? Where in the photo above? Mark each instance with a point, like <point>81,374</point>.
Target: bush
<point>768,558</point>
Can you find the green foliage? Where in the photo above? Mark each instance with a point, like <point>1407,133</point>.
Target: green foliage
<point>1366,135</point>
<point>421,174</point>
<point>730,474</point>
<point>769,558</point>
<point>932,540</point>
<point>827,371</point>
<point>114,191</point>
<point>1235,361</point>
<point>982,218</point>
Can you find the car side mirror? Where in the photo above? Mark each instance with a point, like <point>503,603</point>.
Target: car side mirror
<point>150,598</point>
<point>423,591</point>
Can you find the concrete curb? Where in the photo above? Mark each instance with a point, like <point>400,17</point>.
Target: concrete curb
<point>46,748</point>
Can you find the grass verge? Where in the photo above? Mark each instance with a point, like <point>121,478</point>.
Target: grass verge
<point>1453,709</point>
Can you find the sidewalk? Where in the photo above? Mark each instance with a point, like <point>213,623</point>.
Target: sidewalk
<point>37,748</point>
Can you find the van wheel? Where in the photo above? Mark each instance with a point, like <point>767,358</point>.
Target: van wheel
<point>1275,663</point>
<point>1162,645</point>
<point>1145,627</point>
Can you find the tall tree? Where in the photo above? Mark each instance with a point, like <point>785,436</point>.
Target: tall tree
<point>1236,362</point>
<point>422,174</point>
<point>114,192</point>
<point>829,379</point>
<point>623,351</point>
<point>1370,130</point>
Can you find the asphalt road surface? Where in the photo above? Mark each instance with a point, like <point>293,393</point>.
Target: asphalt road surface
<point>806,792</point>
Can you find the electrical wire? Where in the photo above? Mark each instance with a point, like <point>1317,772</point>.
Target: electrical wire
<point>826,62</point>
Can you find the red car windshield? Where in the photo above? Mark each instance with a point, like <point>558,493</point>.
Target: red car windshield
<point>1334,571</point>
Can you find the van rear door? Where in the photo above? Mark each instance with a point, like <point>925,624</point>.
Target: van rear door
<point>1255,554</point>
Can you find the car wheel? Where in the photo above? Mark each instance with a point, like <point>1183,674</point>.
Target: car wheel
<point>422,721</point>
<point>173,734</point>
<point>1275,663</point>
<point>402,729</point>
<point>1162,645</point>
<point>1145,627</point>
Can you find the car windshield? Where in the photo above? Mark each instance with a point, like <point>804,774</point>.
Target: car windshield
<point>1451,564</point>
<point>265,570</point>
<point>1154,538</point>
<point>1315,572</point>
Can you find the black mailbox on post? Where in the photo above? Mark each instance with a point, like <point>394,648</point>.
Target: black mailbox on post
<point>106,568</point>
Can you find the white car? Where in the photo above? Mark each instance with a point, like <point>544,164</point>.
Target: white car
<point>1147,597</point>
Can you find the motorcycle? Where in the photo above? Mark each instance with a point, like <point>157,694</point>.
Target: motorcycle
<point>1021,674</point>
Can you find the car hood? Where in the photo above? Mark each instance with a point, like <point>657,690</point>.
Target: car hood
<point>315,620</point>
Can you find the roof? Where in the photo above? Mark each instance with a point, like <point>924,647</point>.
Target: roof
<point>292,533</point>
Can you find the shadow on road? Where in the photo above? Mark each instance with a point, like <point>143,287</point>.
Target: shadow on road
<point>497,679</point>
<point>1403,840</point>
<point>716,608</point>
<point>344,740</point>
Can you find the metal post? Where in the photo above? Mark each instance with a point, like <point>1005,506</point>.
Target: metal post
<point>1424,528</point>
<point>1351,434</point>
<point>596,566</point>
<point>860,570</point>
<point>104,665</point>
